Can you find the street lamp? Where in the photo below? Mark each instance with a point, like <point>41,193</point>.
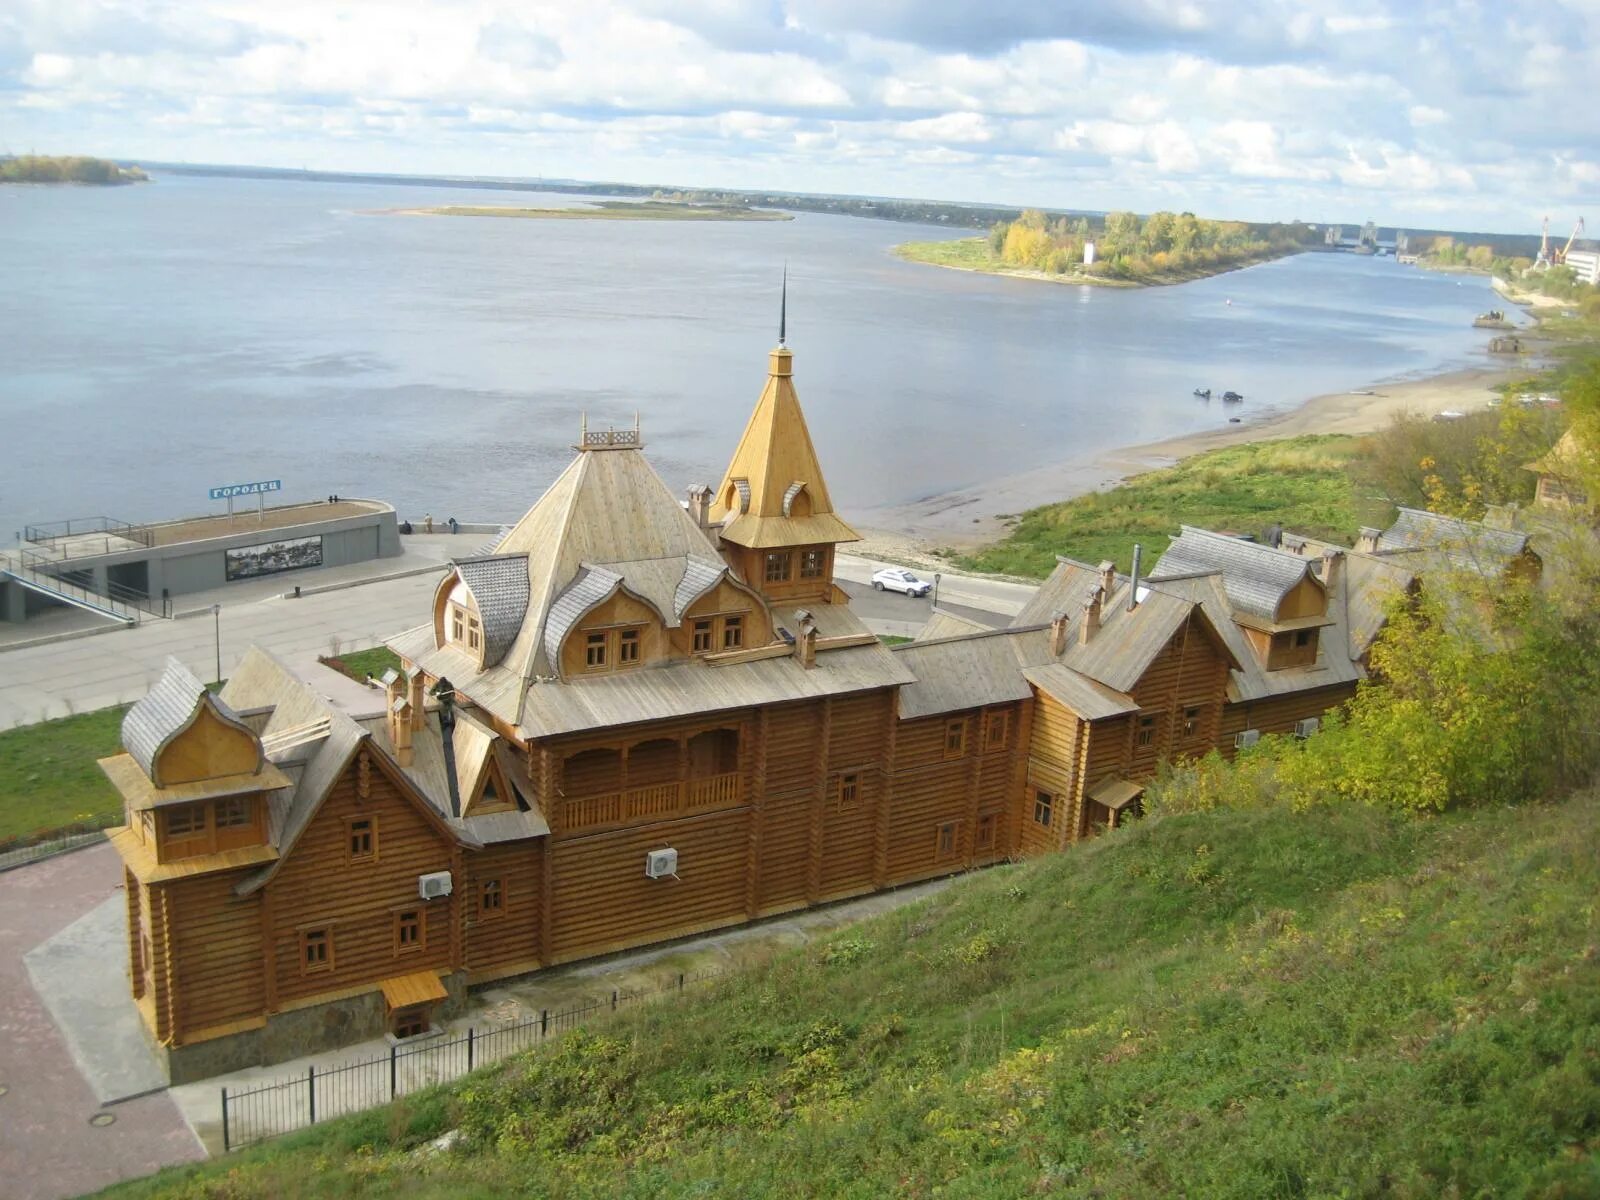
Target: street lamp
<point>216,618</point>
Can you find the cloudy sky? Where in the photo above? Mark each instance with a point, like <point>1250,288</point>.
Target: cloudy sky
<point>1457,113</point>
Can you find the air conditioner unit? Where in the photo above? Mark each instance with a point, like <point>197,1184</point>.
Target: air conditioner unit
<point>660,864</point>
<point>1305,728</point>
<point>433,886</point>
<point>1245,739</point>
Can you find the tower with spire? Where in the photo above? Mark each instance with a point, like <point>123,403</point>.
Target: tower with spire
<point>779,530</point>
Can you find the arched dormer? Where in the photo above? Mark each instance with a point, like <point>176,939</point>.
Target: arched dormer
<point>797,501</point>
<point>728,617</point>
<point>479,607</point>
<point>597,626</point>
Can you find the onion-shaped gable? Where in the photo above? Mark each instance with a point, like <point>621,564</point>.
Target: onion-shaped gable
<point>176,704</point>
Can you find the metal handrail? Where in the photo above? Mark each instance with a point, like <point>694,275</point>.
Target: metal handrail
<point>118,599</point>
<point>52,532</point>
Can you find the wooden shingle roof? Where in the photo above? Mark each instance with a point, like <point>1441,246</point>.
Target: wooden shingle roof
<point>1465,545</point>
<point>499,584</point>
<point>165,711</point>
<point>1257,578</point>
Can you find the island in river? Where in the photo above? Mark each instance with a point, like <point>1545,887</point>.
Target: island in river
<point>608,210</point>
<point>73,168</point>
<point>1118,250</point>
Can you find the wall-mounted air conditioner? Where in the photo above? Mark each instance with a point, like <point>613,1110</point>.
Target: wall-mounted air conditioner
<point>661,864</point>
<point>1305,728</point>
<point>1246,739</point>
<point>433,886</point>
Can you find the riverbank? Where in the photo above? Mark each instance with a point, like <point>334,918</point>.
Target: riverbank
<point>965,518</point>
<point>976,256</point>
<point>606,210</point>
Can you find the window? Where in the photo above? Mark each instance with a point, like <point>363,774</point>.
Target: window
<point>1043,808</point>
<point>594,653</point>
<point>778,566</point>
<point>1302,639</point>
<point>233,812</point>
<point>1147,730</point>
<point>491,899</point>
<point>984,839</point>
<point>996,730</point>
<point>947,841</point>
<point>702,637</point>
<point>732,632</point>
<point>849,789</point>
<point>408,930</point>
<point>955,738</point>
<point>628,647</point>
<point>458,624</point>
<point>410,1022</point>
<point>364,837</point>
<point>1191,721</point>
<point>474,632</point>
<point>316,950</point>
<point>186,820</point>
<point>813,563</point>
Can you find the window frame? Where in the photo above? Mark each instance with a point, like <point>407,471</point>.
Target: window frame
<point>593,641</point>
<point>1043,802</point>
<point>947,841</point>
<point>813,564</point>
<point>239,811</point>
<point>708,627</point>
<point>732,623</point>
<point>368,852</point>
<point>778,567</point>
<point>320,937</point>
<point>630,646</point>
<point>414,918</point>
<point>955,738</point>
<point>497,889</point>
<point>847,789</point>
<point>409,1022</point>
<point>1192,714</point>
<point>199,829</point>
<point>1144,735</point>
<point>983,837</point>
<point>1001,721</point>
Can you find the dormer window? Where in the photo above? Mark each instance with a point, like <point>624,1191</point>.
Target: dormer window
<point>594,652</point>
<point>732,633</point>
<point>628,647</point>
<point>703,639</point>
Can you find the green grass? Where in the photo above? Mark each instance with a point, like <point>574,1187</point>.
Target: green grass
<point>894,639</point>
<point>1261,1003</point>
<point>48,775</point>
<point>358,664</point>
<point>1302,483</point>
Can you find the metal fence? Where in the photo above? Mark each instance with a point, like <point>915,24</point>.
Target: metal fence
<point>20,851</point>
<point>266,1111</point>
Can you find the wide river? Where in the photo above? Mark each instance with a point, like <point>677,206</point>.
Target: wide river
<point>167,338</point>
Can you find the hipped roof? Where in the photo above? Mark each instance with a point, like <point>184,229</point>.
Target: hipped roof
<point>774,454</point>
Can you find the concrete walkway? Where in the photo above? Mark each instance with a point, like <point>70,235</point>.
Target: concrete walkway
<point>364,606</point>
<point>48,1146</point>
<point>81,976</point>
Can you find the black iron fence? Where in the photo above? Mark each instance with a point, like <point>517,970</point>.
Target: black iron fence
<point>256,1114</point>
<point>29,848</point>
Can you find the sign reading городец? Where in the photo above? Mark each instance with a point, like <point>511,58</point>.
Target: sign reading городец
<point>246,489</point>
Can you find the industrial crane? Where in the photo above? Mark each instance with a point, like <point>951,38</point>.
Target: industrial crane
<point>1544,245</point>
<point>1577,231</point>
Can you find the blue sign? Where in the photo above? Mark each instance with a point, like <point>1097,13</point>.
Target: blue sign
<point>246,489</point>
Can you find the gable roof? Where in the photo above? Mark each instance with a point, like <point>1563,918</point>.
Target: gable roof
<point>1257,578</point>
<point>165,711</point>
<point>957,673</point>
<point>772,463</point>
<point>1466,545</point>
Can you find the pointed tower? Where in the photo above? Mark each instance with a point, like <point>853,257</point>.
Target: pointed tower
<point>778,525</point>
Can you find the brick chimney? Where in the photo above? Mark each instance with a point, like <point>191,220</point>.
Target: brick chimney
<point>1332,564</point>
<point>806,642</point>
<point>700,505</point>
<point>1367,540</point>
<point>1058,634</point>
<point>1108,578</point>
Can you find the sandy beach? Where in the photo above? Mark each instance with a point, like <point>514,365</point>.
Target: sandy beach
<point>972,516</point>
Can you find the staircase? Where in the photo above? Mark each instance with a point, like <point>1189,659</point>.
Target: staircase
<point>31,570</point>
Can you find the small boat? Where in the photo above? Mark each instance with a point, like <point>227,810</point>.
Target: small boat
<point>1233,420</point>
<point>1203,393</point>
<point>1231,397</point>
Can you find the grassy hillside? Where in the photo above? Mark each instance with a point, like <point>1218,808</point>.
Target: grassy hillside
<point>1303,483</point>
<point>1241,1003</point>
<point>49,776</point>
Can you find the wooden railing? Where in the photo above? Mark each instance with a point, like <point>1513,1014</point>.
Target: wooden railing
<point>657,801</point>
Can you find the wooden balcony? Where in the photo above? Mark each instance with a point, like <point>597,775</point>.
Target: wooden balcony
<point>658,802</point>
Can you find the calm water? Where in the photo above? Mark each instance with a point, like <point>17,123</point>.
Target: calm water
<point>194,332</point>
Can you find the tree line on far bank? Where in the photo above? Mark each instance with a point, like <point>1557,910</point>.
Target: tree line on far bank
<point>1127,247</point>
<point>72,168</point>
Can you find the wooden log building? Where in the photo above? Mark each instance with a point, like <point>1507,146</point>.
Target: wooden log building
<point>639,719</point>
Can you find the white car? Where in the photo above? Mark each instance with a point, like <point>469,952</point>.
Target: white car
<point>894,579</point>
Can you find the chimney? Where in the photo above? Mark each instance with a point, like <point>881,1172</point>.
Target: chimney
<point>1058,634</point>
<point>400,730</point>
<point>806,642</point>
<point>446,693</point>
<point>1332,562</point>
<point>1108,579</point>
<point>1367,540</point>
<point>700,505</point>
<point>1133,581</point>
<point>414,683</point>
<point>1093,607</point>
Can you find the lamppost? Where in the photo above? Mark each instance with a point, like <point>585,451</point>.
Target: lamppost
<point>216,619</point>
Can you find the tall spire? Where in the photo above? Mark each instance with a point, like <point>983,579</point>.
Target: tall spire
<point>783,309</point>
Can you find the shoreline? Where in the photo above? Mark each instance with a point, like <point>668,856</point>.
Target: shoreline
<point>967,517</point>
<point>1077,278</point>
